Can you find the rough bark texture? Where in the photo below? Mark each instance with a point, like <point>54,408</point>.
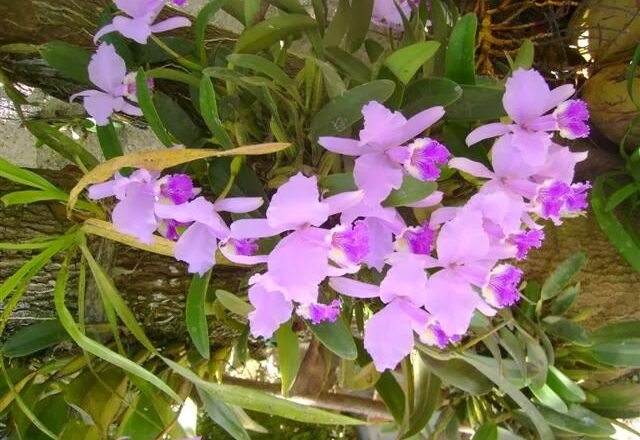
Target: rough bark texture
<point>154,286</point>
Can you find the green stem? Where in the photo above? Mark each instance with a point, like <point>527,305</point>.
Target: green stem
<point>179,58</point>
<point>474,341</point>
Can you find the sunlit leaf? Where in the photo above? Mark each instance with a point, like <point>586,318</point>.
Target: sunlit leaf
<point>406,61</point>
<point>460,55</point>
<point>95,348</point>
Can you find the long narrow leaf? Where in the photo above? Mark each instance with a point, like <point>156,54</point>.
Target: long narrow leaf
<point>195,313</point>
<point>95,348</point>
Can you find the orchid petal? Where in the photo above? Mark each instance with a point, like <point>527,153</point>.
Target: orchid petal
<point>388,336</point>
<point>170,24</point>
<point>354,288</point>
<point>238,204</point>
<point>197,247</point>
<point>487,131</point>
<point>348,147</point>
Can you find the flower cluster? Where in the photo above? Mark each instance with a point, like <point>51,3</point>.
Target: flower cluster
<point>435,276</point>
<point>116,88</point>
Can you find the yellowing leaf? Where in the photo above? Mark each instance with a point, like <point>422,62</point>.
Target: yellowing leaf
<point>160,159</point>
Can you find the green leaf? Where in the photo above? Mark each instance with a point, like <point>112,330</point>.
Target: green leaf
<point>477,102</point>
<point>460,55</point>
<point>33,338</point>
<point>525,56</point>
<point>60,143</point>
<point>209,112</point>
<point>549,398</point>
<point>459,374</point>
<point>332,80</point>
<point>202,20</point>
<point>578,420</point>
<point>33,266</point>
<point>343,111</point>
<point>234,304</point>
<point>24,177</point>
<point>177,121</point>
<point>631,75</point>
<point>259,401</point>
<point>109,142</point>
<point>488,431</point>
<point>195,313</point>
<point>564,387</point>
<point>618,401</point>
<point>267,32</point>
<point>412,190</point>
<point>359,22</point>
<point>337,337</point>
<point>619,354</point>
<point>338,25</point>
<point>430,92</point>
<point>267,68</point>
<point>620,195</point>
<point>337,183</point>
<point>149,110</point>
<point>349,64</point>
<point>544,432</point>
<point>568,330</point>
<point>618,331</point>
<point>31,196</point>
<point>95,348</point>
<point>288,356</point>
<point>563,274</point>
<point>615,231</point>
<point>292,6</point>
<point>561,303</point>
<point>110,295</point>
<point>374,50</point>
<point>406,61</point>
<point>251,10</point>
<point>98,400</point>
<point>427,397</point>
<point>223,415</point>
<point>71,61</point>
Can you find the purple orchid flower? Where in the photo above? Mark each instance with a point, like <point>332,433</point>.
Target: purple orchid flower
<point>107,71</point>
<point>297,207</point>
<point>385,13</point>
<point>140,22</point>
<point>141,197</point>
<point>502,289</point>
<point>527,99</point>
<point>555,200</point>
<point>197,245</point>
<point>379,166</point>
<point>465,256</point>
<point>388,334</point>
<point>271,308</point>
<point>319,313</point>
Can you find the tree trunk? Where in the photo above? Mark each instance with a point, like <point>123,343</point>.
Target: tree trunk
<point>154,286</point>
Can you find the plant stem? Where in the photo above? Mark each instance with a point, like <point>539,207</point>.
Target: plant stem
<point>179,58</point>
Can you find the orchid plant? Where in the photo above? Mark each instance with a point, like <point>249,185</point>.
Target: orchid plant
<point>357,234</point>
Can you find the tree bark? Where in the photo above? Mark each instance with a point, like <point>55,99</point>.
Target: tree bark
<point>154,286</point>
